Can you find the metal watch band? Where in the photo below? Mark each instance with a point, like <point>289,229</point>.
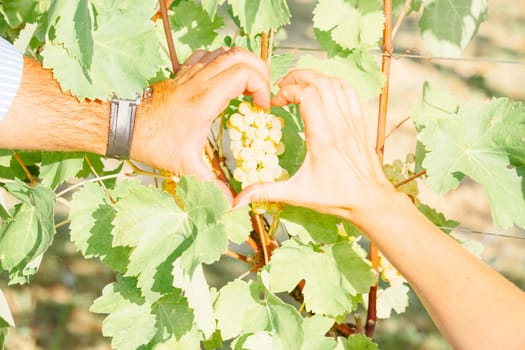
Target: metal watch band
<point>121,123</point>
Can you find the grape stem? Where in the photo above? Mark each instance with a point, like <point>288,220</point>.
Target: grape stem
<point>411,178</point>
<point>258,224</point>
<point>395,128</point>
<point>26,170</point>
<point>236,255</point>
<point>94,172</point>
<point>401,17</point>
<point>80,184</point>
<point>62,223</point>
<point>387,47</point>
<point>140,171</point>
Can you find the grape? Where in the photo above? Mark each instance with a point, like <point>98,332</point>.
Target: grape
<point>255,144</point>
<point>410,158</point>
<point>389,273</point>
<point>398,172</point>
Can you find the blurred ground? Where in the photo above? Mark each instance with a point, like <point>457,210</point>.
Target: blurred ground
<point>52,313</point>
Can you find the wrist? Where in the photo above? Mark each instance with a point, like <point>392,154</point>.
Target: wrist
<point>380,200</point>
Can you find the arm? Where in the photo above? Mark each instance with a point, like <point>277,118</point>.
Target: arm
<point>473,306</point>
<point>170,128</point>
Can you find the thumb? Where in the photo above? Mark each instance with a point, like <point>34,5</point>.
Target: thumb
<point>264,192</point>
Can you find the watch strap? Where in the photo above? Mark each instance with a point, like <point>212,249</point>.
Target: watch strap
<point>121,124</point>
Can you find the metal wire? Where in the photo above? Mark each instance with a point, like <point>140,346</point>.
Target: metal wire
<point>399,55</point>
<point>466,230</point>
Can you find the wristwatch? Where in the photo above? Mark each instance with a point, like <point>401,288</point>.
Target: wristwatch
<point>121,124</point>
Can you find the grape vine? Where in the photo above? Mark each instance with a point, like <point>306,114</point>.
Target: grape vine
<point>307,277</point>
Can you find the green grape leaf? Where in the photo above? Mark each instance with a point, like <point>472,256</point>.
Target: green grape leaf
<point>5,313</point>
<point>332,48</point>
<point>393,298</point>
<point>351,23</point>
<point>311,226</point>
<point>197,291</point>
<point>29,233</point>
<point>435,105</point>
<point>331,276</point>
<point>211,6</point>
<point>193,28</point>
<point>280,65</point>
<point>190,340</point>
<point>237,311</point>
<point>293,138</point>
<point>174,316</point>
<point>144,210</point>
<point>20,12</point>
<point>356,342</point>
<point>149,221</point>
<point>244,308</point>
<point>123,60</point>
<point>437,218</point>
<point>397,6</point>
<point>205,205</point>
<point>472,144</point>
<point>130,322</point>
<point>73,29</point>
<point>58,167</point>
<point>360,69</point>
<point>5,157</point>
<point>237,225</point>
<point>91,217</point>
<point>260,15</point>
<point>448,26</point>
<point>314,329</point>
<point>3,335</point>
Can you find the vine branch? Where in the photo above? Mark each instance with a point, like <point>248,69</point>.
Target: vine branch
<point>387,46</point>
<point>169,37</point>
<point>401,17</point>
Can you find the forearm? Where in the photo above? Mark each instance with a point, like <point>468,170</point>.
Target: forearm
<point>42,117</point>
<point>473,306</point>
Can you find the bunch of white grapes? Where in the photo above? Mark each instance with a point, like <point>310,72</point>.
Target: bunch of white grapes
<point>399,171</point>
<point>255,142</point>
<point>389,273</point>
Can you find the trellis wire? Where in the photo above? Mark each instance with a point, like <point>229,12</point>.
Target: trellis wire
<point>399,55</point>
<point>466,230</point>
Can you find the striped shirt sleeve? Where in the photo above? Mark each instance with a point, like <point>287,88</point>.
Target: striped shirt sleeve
<point>11,66</point>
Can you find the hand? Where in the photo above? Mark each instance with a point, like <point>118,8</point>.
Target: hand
<point>341,171</point>
<point>171,129</point>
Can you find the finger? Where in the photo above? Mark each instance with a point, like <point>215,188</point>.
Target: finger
<point>302,77</point>
<point>232,58</point>
<point>210,56</point>
<point>194,58</point>
<point>265,192</point>
<point>352,96</point>
<point>234,81</point>
<point>310,107</point>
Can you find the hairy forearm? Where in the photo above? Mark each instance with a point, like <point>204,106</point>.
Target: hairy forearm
<point>473,306</point>
<point>42,117</point>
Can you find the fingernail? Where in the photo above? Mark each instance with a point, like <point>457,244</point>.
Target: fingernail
<point>242,203</point>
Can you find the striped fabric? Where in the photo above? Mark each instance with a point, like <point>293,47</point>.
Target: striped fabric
<point>11,65</point>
